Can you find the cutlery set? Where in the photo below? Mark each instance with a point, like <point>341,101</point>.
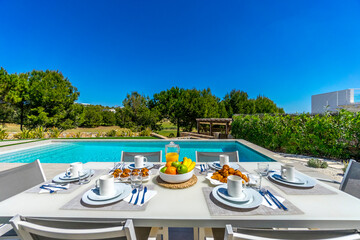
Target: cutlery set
<point>138,194</point>
<point>276,201</point>
<point>203,167</point>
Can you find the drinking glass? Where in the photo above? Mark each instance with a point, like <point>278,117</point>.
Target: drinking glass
<point>136,179</point>
<point>263,169</point>
<point>255,180</point>
<point>84,180</point>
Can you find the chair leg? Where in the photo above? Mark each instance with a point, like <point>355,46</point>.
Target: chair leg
<point>196,233</point>
<point>165,233</point>
<point>205,233</point>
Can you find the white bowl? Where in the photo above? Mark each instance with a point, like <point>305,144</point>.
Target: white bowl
<point>178,178</point>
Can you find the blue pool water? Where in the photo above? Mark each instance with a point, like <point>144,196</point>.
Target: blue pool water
<point>67,152</point>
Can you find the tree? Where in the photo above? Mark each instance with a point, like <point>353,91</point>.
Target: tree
<point>50,99</point>
<point>136,113</point>
<point>92,116</point>
<point>266,105</point>
<point>108,117</point>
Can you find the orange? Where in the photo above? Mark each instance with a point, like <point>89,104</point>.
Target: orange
<point>171,170</point>
<point>168,164</point>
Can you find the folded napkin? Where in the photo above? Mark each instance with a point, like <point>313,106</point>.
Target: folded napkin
<point>53,188</point>
<point>273,205</point>
<point>149,194</point>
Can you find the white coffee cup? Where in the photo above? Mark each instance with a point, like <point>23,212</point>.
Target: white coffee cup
<point>74,169</point>
<point>224,160</point>
<point>105,185</point>
<point>288,172</point>
<point>139,161</point>
<point>235,185</point>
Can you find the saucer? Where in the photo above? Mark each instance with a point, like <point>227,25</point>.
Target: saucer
<point>58,178</point>
<point>222,192</point>
<point>94,194</point>
<point>146,165</point>
<point>307,182</point>
<point>83,173</point>
<point>126,192</point>
<point>255,199</point>
<point>296,181</point>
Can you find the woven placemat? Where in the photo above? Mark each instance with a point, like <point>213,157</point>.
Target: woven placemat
<point>289,190</point>
<point>72,186</point>
<point>77,204</point>
<point>217,208</point>
<point>192,181</point>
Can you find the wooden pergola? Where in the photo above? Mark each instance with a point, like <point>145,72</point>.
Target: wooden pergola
<point>214,121</point>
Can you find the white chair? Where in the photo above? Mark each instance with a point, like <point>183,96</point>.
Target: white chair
<point>351,181</point>
<point>269,234</point>
<point>151,156</point>
<point>15,181</point>
<point>214,156</point>
<point>31,231</point>
<point>201,233</point>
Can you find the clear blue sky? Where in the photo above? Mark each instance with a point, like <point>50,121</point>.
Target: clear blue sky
<point>285,50</point>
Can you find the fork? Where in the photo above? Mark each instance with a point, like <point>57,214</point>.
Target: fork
<point>262,193</point>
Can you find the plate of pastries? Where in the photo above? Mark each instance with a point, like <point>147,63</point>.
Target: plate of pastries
<point>220,177</point>
<point>123,175</point>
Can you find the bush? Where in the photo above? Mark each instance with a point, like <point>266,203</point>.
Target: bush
<point>54,132</point>
<point>3,134</point>
<point>111,133</point>
<point>145,132</point>
<point>171,135</point>
<point>25,134</point>
<point>124,132</point>
<point>317,163</point>
<point>330,136</point>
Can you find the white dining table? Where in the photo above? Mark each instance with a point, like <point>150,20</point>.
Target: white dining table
<point>188,208</point>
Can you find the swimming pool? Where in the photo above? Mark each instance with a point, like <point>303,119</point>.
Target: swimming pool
<point>110,151</point>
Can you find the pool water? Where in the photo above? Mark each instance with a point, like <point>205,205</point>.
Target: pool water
<point>67,152</point>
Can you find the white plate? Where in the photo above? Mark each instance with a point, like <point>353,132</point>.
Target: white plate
<point>84,172</point>
<point>57,178</point>
<point>254,201</point>
<point>94,194</point>
<point>217,182</point>
<point>147,165</point>
<point>278,177</point>
<point>308,181</point>
<point>222,192</point>
<point>124,194</point>
<point>216,165</point>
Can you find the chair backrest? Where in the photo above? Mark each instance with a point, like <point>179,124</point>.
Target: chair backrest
<point>151,156</point>
<point>31,231</point>
<point>19,179</point>
<point>351,181</point>
<point>270,234</point>
<point>214,156</point>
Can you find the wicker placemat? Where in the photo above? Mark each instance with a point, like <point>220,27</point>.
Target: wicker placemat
<point>192,181</point>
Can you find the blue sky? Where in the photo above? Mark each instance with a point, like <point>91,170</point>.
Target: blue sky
<point>285,50</point>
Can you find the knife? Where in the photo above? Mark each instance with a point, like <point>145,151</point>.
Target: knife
<point>275,199</point>
<point>143,198</point>
<point>137,197</point>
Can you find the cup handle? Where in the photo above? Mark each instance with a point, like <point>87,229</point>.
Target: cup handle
<point>283,171</point>
<point>68,172</point>
<point>97,184</point>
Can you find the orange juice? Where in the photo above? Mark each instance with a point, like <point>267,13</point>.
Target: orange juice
<point>172,157</point>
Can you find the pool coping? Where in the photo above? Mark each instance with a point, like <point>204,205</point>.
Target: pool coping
<point>254,147</point>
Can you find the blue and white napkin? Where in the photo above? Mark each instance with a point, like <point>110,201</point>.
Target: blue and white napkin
<point>149,194</point>
<point>53,188</point>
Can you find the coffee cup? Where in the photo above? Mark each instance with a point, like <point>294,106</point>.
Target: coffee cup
<point>74,169</point>
<point>105,185</point>
<point>288,172</point>
<point>224,160</point>
<point>139,161</point>
<point>235,185</point>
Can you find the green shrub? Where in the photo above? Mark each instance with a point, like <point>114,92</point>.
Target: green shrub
<point>317,163</point>
<point>346,164</point>
<point>330,136</point>
<point>124,132</point>
<point>111,133</point>
<point>54,132</point>
<point>78,135</point>
<point>38,132</point>
<point>25,134</point>
<point>145,132</point>
<point>171,135</point>
<point>3,134</point>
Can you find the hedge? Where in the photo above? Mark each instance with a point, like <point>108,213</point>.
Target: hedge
<point>331,135</point>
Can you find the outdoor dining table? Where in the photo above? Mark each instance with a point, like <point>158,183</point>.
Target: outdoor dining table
<point>188,208</point>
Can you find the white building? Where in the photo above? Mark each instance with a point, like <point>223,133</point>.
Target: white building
<point>333,101</point>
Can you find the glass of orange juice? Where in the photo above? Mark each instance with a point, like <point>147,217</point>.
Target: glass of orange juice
<point>172,152</point>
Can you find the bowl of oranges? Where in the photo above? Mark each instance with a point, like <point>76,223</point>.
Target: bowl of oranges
<point>177,172</point>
